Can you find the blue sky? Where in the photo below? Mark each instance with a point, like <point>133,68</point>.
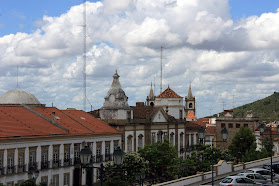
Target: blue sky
<point>229,54</point>
<point>21,16</point>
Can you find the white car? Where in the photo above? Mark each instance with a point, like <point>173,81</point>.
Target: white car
<point>264,172</point>
<point>238,180</point>
<point>255,176</point>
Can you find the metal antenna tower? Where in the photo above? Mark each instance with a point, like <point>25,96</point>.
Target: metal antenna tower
<point>161,69</point>
<point>84,55</point>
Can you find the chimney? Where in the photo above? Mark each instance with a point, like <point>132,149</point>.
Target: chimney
<point>53,116</point>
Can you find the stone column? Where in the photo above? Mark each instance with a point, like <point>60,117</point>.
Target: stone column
<point>39,156</point>
<point>16,159</point>
<point>50,155</point>
<point>26,157</point>
<point>72,151</point>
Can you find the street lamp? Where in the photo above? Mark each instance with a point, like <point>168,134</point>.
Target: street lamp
<point>224,135</point>
<point>262,129</point>
<point>85,156</point>
<point>140,177</point>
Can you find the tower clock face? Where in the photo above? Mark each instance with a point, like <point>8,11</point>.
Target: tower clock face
<point>111,98</point>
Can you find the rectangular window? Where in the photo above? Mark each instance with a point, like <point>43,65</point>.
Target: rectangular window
<point>44,179</point>
<point>237,125</point>
<point>32,158</point>
<point>245,125</point>
<point>66,179</point>
<point>153,137</point>
<point>129,116</point>
<point>172,139</point>
<point>20,162</point>
<point>10,163</point>
<point>10,183</point>
<point>230,125</point>
<point>44,156</point>
<point>56,180</point>
<point>1,165</point>
<point>99,157</point>
<point>140,145</point>
<point>115,145</point>
<point>223,125</point>
<point>180,114</point>
<point>76,154</point>
<point>55,158</point>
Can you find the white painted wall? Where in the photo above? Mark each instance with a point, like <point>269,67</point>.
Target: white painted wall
<point>50,142</point>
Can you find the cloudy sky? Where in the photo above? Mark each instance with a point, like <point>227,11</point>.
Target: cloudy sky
<point>228,49</point>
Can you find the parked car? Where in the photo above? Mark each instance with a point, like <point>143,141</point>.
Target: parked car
<point>275,167</point>
<point>238,180</point>
<point>255,176</point>
<point>264,172</point>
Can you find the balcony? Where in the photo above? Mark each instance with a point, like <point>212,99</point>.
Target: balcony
<point>68,162</point>
<point>10,169</point>
<point>190,148</point>
<point>108,157</point>
<point>21,168</point>
<point>56,163</point>
<point>2,171</point>
<point>76,160</point>
<point>45,165</point>
<point>99,158</point>
<point>33,166</point>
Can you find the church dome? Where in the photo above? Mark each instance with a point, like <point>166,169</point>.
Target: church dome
<point>18,97</point>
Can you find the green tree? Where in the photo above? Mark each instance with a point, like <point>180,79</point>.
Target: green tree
<point>163,161</point>
<point>244,144</point>
<point>133,163</point>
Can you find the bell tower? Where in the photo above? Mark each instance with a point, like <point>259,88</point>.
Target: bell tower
<point>190,102</point>
<point>150,100</point>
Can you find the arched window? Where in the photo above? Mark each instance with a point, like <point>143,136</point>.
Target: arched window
<point>190,105</point>
<point>140,141</point>
<point>159,136</point>
<point>172,139</point>
<point>181,141</point>
<point>129,143</point>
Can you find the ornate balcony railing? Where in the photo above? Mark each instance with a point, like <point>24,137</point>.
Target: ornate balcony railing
<point>76,161</point>
<point>11,169</point>
<point>56,163</point>
<point>99,158</point>
<point>33,166</point>
<point>21,168</point>
<point>2,170</point>
<point>108,157</point>
<point>68,162</point>
<point>190,148</point>
<point>45,165</point>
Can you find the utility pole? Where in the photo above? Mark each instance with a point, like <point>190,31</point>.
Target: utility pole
<point>84,55</point>
<point>161,69</point>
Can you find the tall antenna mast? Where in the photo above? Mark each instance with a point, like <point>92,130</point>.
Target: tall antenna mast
<point>161,69</point>
<point>84,55</point>
<point>154,86</point>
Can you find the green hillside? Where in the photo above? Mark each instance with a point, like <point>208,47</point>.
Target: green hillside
<point>266,109</point>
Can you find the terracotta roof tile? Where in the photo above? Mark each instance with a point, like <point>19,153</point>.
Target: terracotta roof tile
<point>191,115</point>
<point>210,130</point>
<point>168,93</point>
<point>202,121</point>
<point>142,112</point>
<point>91,122</point>
<point>17,121</point>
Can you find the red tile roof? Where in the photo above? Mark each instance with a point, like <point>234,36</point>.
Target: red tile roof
<point>19,122</point>
<point>168,93</point>
<point>191,115</point>
<point>202,121</point>
<point>92,123</point>
<point>142,112</point>
<point>210,130</point>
